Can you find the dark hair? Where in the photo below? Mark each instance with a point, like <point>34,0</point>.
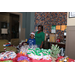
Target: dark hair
<point>41,27</point>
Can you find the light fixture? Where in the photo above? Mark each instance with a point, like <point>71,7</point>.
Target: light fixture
<point>4,31</point>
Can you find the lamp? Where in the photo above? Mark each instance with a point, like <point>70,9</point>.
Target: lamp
<point>4,31</point>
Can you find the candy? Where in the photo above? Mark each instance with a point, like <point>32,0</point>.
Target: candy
<point>39,54</point>
<point>36,53</point>
<point>24,61</point>
<point>7,55</point>
<point>22,58</point>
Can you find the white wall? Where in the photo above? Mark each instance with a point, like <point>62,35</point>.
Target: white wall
<point>70,21</point>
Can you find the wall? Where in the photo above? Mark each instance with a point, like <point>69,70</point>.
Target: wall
<point>28,22</point>
<point>70,21</point>
<point>70,39</point>
<point>25,23</point>
<point>4,18</point>
<point>32,18</point>
<point>47,19</point>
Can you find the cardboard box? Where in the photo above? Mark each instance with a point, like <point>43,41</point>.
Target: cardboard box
<point>52,37</point>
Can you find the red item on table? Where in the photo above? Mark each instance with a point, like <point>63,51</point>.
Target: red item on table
<point>58,40</point>
<point>14,59</point>
<point>41,60</point>
<point>32,60</point>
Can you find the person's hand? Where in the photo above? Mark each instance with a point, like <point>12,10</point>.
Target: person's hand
<point>41,46</point>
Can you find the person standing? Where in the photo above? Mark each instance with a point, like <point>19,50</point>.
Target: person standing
<point>40,36</point>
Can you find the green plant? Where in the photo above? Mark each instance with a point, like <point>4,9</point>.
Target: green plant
<point>55,51</point>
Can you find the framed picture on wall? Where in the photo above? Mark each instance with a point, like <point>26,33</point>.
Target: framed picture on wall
<point>53,29</point>
<point>71,14</point>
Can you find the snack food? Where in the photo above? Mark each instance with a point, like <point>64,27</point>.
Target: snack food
<point>38,54</point>
<point>22,58</point>
<point>7,55</point>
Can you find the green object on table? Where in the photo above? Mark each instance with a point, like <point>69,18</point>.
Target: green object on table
<point>48,53</point>
<point>8,61</point>
<point>30,49</point>
<point>33,52</point>
<point>37,49</point>
<point>44,54</point>
<point>55,51</point>
<point>28,53</point>
<point>38,54</point>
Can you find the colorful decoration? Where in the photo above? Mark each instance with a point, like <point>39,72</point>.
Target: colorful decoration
<point>23,50</point>
<point>65,59</point>
<point>39,54</point>
<point>22,59</point>
<point>7,61</point>
<point>55,51</point>
<point>7,55</point>
<point>7,44</point>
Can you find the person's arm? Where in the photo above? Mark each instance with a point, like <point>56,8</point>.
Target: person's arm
<point>28,41</point>
<point>41,45</point>
<point>43,38</point>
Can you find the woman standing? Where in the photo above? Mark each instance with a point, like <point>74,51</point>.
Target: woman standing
<point>40,36</point>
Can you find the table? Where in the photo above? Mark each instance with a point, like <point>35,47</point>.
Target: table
<point>47,45</point>
<point>70,60</point>
<point>59,44</point>
<point>32,60</point>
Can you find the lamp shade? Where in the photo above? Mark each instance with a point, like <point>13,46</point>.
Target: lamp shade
<point>4,31</point>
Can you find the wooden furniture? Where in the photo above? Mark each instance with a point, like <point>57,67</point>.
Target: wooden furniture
<point>59,44</point>
<point>7,48</point>
<point>15,42</point>
<point>47,45</point>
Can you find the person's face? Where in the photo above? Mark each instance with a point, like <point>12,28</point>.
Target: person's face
<point>32,36</point>
<point>39,28</point>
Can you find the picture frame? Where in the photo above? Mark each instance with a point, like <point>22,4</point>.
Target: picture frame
<point>71,14</point>
<point>53,29</point>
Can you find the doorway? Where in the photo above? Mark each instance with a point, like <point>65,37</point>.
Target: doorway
<point>16,25</point>
<point>21,30</point>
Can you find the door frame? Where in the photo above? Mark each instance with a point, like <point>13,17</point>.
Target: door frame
<point>21,30</point>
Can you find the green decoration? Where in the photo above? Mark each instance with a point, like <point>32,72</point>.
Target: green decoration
<point>55,51</point>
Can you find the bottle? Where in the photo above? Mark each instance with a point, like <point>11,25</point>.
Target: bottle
<point>60,60</point>
<point>26,40</point>
<point>65,59</point>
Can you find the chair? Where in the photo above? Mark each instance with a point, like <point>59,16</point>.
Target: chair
<point>15,42</point>
<point>46,45</point>
<point>7,48</point>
